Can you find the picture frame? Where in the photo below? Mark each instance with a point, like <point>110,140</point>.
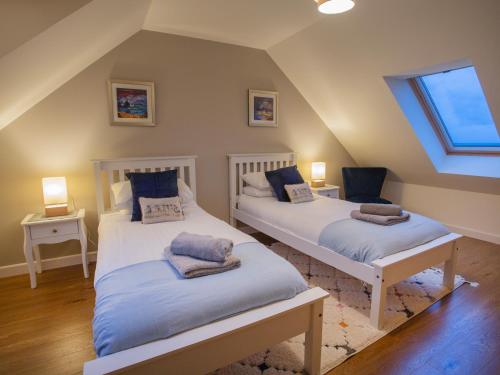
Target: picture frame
<point>263,108</point>
<point>132,103</point>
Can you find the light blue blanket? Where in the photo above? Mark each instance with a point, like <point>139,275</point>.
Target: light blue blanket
<point>364,242</point>
<point>150,301</point>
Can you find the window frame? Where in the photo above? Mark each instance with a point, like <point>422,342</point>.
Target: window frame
<point>427,104</point>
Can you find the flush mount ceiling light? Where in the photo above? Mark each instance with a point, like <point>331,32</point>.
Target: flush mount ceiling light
<point>334,6</point>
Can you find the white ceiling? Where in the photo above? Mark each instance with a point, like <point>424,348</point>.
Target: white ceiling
<point>337,62</point>
<point>251,23</point>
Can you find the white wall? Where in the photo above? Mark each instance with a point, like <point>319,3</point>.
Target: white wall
<point>339,65</point>
<point>473,214</point>
<point>340,62</point>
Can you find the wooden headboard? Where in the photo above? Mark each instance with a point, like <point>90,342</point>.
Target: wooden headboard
<point>243,163</point>
<point>109,171</point>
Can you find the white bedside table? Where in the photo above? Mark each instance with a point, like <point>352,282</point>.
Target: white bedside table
<point>45,230</point>
<point>330,191</point>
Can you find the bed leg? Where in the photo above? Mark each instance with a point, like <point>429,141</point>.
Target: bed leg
<point>232,222</point>
<point>312,357</point>
<point>379,294</point>
<point>450,268</point>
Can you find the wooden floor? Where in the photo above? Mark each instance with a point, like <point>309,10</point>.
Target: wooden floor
<point>48,330</point>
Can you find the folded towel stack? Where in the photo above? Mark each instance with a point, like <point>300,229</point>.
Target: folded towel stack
<point>381,209</point>
<point>202,247</point>
<point>194,255</point>
<point>381,214</point>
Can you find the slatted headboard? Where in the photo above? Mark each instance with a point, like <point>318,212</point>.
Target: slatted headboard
<point>242,163</point>
<point>114,170</point>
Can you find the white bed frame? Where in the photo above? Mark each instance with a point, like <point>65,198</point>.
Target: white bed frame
<point>114,170</point>
<point>204,349</point>
<point>383,272</point>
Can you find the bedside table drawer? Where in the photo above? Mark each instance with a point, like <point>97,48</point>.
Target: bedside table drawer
<point>56,229</point>
<point>330,193</point>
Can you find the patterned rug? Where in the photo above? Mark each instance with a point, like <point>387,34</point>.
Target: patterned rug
<point>346,328</point>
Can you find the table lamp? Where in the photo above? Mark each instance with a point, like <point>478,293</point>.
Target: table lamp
<point>318,172</point>
<point>55,196</point>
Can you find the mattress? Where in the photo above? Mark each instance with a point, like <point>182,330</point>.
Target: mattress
<point>123,243</point>
<point>327,222</point>
<point>141,298</point>
<point>305,220</point>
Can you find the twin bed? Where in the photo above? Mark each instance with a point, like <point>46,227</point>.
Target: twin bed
<point>300,226</point>
<point>210,321</point>
<point>222,318</point>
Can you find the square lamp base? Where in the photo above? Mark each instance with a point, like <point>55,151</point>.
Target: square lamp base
<point>317,183</point>
<point>56,210</point>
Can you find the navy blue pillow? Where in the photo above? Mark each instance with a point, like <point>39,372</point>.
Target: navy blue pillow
<point>151,185</point>
<point>281,177</point>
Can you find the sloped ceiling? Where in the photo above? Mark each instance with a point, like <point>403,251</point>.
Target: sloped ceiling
<point>24,19</point>
<point>42,64</point>
<point>337,62</point>
<point>51,41</point>
<point>339,65</point>
<point>250,23</point>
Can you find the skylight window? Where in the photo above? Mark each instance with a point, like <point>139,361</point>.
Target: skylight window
<point>458,110</point>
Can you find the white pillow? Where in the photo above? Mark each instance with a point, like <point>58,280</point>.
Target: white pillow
<point>185,193</point>
<point>259,193</point>
<point>122,193</point>
<point>256,179</point>
<point>299,193</point>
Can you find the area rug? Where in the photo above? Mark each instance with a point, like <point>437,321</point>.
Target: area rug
<point>346,328</point>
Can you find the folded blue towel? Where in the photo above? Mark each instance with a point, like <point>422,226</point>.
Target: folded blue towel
<point>202,247</point>
<point>189,267</point>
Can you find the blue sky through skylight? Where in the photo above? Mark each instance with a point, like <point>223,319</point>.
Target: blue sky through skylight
<point>459,100</point>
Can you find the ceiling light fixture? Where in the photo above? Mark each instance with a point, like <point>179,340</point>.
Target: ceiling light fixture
<point>334,6</point>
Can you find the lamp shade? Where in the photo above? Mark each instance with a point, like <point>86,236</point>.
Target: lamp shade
<point>318,171</point>
<point>334,6</point>
<point>54,190</point>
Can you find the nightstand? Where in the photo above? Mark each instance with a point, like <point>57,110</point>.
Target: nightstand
<point>330,191</point>
<point>39,229</point>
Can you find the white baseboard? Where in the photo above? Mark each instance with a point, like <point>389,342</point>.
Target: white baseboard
<point>47,264</point>
<point>473,233</point>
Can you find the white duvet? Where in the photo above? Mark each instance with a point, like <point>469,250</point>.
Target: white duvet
<point>322,222</point>
<point>123,243</point>
<point>290,217</point>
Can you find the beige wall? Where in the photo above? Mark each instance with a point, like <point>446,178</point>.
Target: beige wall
<point>201,99</point>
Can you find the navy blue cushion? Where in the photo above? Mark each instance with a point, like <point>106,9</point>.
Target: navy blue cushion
<point>281,177</point>
<point>151,185</point>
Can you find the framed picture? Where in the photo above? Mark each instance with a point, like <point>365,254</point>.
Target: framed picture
<point>132,103</point>
<point>262,108</point>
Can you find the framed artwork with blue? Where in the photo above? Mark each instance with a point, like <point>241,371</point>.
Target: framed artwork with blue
<point>132,103</point>
<point>262,108</point>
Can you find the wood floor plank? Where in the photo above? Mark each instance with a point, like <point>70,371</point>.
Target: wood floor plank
<point>438,336</point>
<point>48,330</point>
